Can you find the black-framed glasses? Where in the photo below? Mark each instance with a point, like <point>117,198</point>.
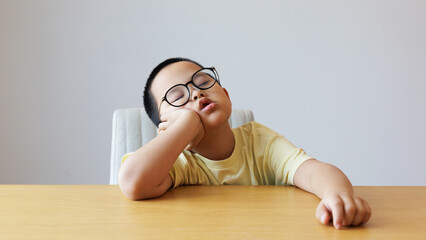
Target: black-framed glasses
<point>179,94</point>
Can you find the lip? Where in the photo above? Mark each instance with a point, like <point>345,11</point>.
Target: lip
<point>206,104</point>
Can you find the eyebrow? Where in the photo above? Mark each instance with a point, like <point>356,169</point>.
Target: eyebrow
<point>190,78</point>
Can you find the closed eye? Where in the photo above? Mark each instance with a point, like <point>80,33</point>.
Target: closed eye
<point>204,83</point>
<point>177,98</point>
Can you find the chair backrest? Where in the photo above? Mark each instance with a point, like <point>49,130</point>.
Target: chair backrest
<point>132,128</point>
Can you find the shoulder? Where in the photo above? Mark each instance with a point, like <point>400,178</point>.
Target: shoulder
<point>256,129</point>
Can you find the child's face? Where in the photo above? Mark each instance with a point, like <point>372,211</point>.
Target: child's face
<point>217,97</point>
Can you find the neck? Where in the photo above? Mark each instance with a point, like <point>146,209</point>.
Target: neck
<point>217,143</point>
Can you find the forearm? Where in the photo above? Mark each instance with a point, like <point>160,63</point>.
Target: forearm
<point>148,167</point>
<point>320,178</point>
<point>338,202</point>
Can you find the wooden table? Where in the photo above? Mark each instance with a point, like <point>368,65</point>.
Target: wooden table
<point>199,212</point>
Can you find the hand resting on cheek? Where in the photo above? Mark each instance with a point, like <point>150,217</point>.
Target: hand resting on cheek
<point>183,118</point>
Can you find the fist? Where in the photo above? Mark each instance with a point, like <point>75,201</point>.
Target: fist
<point>344,209</point>
<point>186,119</point>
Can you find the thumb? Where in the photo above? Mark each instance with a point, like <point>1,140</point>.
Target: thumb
<point>323,214</point>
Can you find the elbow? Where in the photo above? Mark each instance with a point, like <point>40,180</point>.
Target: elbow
<point>137,192</point>
<point>136,189</point>
<point>133,190</point>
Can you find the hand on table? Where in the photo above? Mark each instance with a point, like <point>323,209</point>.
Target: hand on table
<point>344,209</point>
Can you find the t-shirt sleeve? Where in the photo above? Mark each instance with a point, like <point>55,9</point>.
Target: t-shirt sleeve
<point>285,159</point>
<point>125,157</point>
<point>177,172</point>
<point>187,170</point>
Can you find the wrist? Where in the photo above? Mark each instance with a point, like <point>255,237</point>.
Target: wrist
<point>340,191</point>
<point>188,126</point>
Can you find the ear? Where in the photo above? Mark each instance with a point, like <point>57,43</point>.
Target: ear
<point>226,92</point>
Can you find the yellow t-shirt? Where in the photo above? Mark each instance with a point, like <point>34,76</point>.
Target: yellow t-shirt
<point>260,157</point>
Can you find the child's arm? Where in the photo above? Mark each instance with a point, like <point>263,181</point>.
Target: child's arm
<point>145,174</point>
<point>334,188</point>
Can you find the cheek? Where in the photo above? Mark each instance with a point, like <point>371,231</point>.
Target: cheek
<point>166,109</point>
<point>217,92</point>
<point>190,106</point>
<point>223,96</point>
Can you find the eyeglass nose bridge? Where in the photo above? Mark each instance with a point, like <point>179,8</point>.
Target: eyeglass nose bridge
<point>193,85</point>
<point>191,92</point>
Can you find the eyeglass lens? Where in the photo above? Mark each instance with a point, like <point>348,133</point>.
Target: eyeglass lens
<point>180,94</point>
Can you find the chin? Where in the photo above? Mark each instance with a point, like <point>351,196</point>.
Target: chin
<point>216,119</point>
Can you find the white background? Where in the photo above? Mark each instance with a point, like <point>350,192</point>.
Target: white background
<point>344,80</point>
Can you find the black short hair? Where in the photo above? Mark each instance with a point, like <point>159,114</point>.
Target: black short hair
<point>149,103</point>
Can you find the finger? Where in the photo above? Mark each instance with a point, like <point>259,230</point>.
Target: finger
<point>336,206</point>
<point>160,131</point>
<point>162,126</point>
<point>163,118</point>
<point>368,212</point>
<point>360,214</point>
<point>350,209</point>
<point>323,214</point>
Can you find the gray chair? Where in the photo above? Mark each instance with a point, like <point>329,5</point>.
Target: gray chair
<point>132,128</point>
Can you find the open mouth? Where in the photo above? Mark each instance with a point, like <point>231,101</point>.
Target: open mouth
<point>205,103</point>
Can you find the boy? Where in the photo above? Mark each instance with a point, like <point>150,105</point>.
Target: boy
<point>196,145</point>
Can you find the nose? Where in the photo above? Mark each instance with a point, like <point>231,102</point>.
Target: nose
<point>196,94</point>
